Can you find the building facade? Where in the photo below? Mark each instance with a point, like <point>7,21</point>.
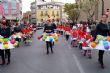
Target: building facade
<point>82,14</point>
<point>106,7</point>
<point>33,12</point>
<point>12,9</point>
<point>48,10</point>
<point>34,9</point>
<point>45,10</point>
<point>27,17</point>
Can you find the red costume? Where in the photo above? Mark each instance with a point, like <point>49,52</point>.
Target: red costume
<point>74,34</point>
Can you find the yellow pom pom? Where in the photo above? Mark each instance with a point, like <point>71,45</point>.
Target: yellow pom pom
<point>45,37</point>
<point>15,45</point>
<point>44,34</point>
<point>1,40</point>
<point>6,46</point>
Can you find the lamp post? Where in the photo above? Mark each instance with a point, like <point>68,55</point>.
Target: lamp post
<point>0,12</point>
<point>36,10</point>
<point>102,7</point>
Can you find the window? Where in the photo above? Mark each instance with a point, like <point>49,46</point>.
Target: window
<point>46,13</point>
<point>6,11</point>
<point>53,13</point>
<point>57,13</point>
<point>5,5</point>
<point>46,6</point>
<point>13,4</point>
<point>41,13</point>
<point>39,7</point>
<point>14,12</point>
<point>5,0</point>
<point>55,7</point>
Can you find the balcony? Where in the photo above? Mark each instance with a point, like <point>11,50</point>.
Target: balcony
<point>33,16</point>
<point>33,12</point>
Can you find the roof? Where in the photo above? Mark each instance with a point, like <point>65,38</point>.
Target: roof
<point>50,3</point>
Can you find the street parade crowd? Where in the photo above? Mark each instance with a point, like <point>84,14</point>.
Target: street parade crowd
<point>88,36</point>
<point>10,37</point>
<point>85,36</point>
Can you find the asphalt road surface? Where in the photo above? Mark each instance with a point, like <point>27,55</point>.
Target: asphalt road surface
<point>33,59</point>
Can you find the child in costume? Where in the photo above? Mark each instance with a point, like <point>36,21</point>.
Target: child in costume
<point>24,31</point>
<point>81,34</point>
<point>74,38</point>
<point>86,43</point>
<point>67,32</point>
<point>28,36</point>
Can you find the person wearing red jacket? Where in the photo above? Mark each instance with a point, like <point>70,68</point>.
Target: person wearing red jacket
<point>88,39</point>
<point>31,31</point>
<point>74,33</point>
<point>81,37</point>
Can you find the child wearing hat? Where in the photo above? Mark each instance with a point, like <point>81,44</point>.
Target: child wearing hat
<point>88,39</point>
<point>74,38</point>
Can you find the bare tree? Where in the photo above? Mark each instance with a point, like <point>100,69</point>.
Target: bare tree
<point>89,7</point>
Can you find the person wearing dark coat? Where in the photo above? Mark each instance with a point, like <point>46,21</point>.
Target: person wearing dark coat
<point>54,27</point>
<point>102,29</point>
<point>6,33</point>
<point>48,28</point>
<point>0,34</point>
<point>17,29</point>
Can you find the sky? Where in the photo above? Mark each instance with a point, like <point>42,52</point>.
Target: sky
<point>26,3</point>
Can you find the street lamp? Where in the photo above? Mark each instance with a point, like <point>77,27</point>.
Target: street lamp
<point>0,14</point>
<point>102,7</point>
<point>36,10</point>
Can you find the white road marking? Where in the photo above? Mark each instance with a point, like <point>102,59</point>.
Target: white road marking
<point>76,60</point>
<point>78,64</point>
